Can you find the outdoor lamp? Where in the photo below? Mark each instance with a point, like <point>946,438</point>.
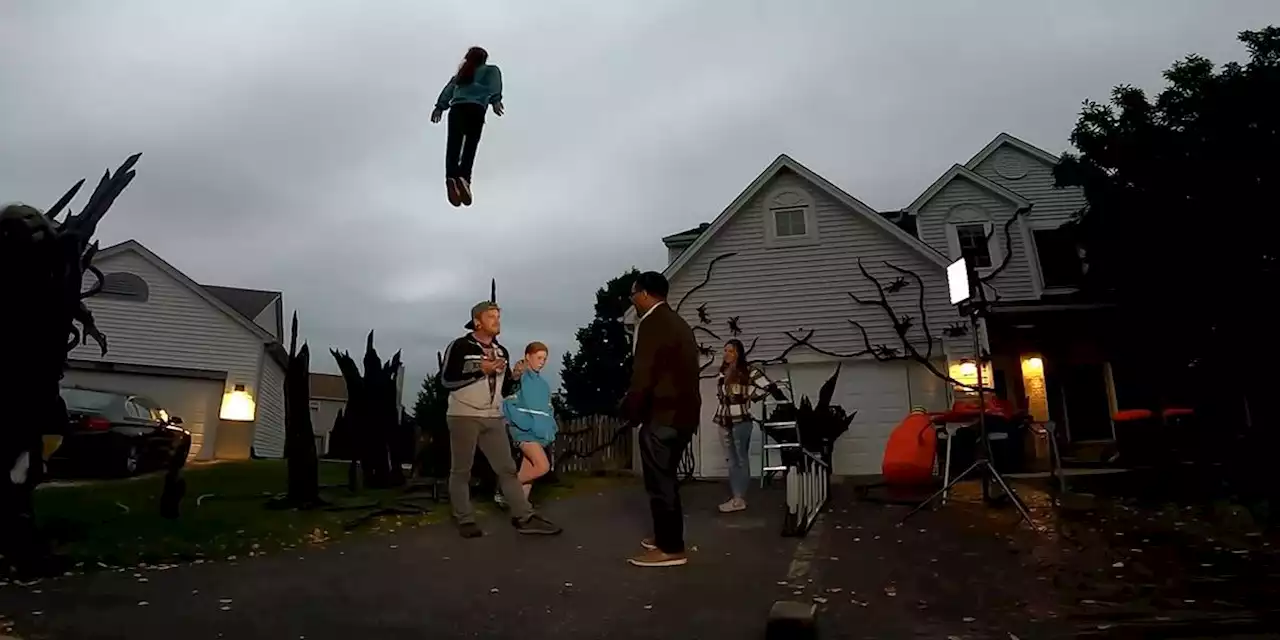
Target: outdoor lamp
<point>237,405</point>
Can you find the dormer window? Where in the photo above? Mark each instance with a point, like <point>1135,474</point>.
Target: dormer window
<point>970,235</point>
<point>790,219</point>
<point>972,240</point>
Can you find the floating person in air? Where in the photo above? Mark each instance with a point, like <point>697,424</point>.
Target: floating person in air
<point>467,97</point>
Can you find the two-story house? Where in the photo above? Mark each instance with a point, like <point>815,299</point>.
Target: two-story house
<point>209,355</point>
<point>780,262</point>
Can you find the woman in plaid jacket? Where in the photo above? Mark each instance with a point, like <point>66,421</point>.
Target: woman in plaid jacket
<point>738,386</point>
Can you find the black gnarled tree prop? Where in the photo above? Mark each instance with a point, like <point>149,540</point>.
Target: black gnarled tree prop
<point>372,420</point>
<point>299,436</point>
<point>42,267</point>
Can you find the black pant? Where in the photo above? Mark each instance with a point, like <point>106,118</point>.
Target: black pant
<point>660,451</point>
<point>465,123</point>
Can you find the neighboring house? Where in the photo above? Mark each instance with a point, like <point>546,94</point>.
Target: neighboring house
<point>209,355</point>
<point>797,241</point>
<point>328,397</point>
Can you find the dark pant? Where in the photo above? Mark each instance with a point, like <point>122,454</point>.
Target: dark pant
<point>489,435</point>
<point>465,123</point>
<point>660,451</point>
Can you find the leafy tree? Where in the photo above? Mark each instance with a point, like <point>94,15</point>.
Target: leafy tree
<point>595,377</point>
<point>1181,222</point>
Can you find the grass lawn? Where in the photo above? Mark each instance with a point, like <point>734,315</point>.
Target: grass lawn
<point>114,523</point>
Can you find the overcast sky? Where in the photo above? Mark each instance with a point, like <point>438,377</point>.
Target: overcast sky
<point>287,145</point>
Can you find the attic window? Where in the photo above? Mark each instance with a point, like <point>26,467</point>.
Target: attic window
<point>789,218</point>
<point>1060,263</point>
<point>788,223</point>
<point>124,286</point>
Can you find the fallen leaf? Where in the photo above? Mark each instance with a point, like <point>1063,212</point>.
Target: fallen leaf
<point>568,584</point>
<point>819,600</point>
<point>143,603</point>
<point>224,601</point>
<point>1117,565</point>
<point>493,590</point>
<point>648,607</point>
<point>225,607</point>
<point>967,619</point>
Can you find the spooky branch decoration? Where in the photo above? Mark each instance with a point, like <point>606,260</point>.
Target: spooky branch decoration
<point>706,278</point>
<point>299,437</point>
<point>371,422</point>
<point>42,267</point>
<point>955,330</point>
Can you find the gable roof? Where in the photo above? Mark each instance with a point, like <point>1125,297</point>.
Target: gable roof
<point>785,162</point>
<point>957,171</point>
<point>1021,145</point>
<point>203,293</point>
<point>249,302</point>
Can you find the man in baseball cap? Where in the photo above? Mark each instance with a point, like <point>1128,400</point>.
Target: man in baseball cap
<point>478,378</point>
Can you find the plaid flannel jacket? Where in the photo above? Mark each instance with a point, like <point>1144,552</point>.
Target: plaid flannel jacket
<point>735,399</point>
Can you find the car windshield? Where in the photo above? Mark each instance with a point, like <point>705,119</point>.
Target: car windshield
<point>87,400</point>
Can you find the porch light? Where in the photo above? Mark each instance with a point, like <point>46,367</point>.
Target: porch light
<point>1034,388</point>
<point>966,373</point>
<point>237,405</point>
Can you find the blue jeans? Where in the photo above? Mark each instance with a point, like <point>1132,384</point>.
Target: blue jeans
<point>737,446</point>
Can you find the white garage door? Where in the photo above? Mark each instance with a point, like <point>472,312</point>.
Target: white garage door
<point>881,393</point>
<point>195,400</point>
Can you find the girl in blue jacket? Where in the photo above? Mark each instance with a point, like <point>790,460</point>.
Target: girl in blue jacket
<point>467,97</point>
<point>530,418</point>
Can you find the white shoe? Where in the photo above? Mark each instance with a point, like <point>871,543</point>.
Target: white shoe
<point>736,504</point>
<point>500,500</point>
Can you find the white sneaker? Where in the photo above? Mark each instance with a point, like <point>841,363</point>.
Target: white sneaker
<point>736,504</point>
<point>500,500</point>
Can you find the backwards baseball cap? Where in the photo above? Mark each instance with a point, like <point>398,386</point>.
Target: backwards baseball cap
<point>476,310</point>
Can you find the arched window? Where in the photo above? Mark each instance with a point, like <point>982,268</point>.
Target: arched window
<point>969,235</point>
<point>790,218</point>
<point>124,286</point>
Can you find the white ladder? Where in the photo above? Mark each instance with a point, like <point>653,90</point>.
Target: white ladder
<point>768,470</point>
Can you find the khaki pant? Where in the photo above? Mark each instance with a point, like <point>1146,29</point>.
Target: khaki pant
<point>490,435</point>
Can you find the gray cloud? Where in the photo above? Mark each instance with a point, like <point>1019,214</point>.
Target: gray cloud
<point>289,148</point>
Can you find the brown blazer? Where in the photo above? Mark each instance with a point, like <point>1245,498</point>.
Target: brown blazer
<point>664,373</point>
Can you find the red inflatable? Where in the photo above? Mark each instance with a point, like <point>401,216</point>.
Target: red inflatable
<point>910,452</point>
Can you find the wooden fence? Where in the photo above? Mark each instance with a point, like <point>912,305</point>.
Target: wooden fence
<point>592,444</point>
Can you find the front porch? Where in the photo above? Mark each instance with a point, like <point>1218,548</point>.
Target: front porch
<point>1059,363</point>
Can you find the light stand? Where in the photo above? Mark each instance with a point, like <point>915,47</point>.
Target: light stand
<point>964,284</point>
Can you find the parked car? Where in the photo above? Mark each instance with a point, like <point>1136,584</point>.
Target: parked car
<point>116,434</point>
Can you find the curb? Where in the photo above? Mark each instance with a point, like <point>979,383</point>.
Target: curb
<point>791,620</point>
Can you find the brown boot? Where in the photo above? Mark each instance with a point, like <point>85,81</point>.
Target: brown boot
<point>659,558</point>
<point>454,190</point>
<point>464,191</point>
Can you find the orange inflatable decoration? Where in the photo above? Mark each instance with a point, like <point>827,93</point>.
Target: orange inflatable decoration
<point>910,452</point>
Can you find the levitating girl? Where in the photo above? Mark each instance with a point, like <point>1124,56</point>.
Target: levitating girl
<point>529,416</point>
<point>467,97</point>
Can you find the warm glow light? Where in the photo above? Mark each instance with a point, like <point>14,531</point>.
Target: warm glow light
<point>966,372</point>
<point>237,405</point>
<point>1034,388</point>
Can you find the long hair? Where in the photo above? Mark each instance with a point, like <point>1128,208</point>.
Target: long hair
<point>741,371</point>
<point>470,62</point>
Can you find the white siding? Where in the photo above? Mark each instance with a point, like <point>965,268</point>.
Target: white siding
<point>173,328</point>
<point>772,291</point>
<point>268,433</point>
<point>267,319</point>
<point>1015,282</point>
<point>1052,206</point>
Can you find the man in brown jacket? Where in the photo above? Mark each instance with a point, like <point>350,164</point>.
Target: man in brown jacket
<point>665,399</point>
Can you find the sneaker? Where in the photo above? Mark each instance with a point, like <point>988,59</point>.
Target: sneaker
<point>536,525</point>
<point>500,500</point>
<point>648,544</point>
<point>470,530</point>
<point>659,558</point>
<point>455,195</point>
<point>736,504</point>
<point>464,191</point>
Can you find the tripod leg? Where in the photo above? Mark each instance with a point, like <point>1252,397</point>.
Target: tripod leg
<point>1013,497</point>
<point>961,476</point>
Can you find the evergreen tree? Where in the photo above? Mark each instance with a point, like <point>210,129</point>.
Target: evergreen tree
<point>595,377</point>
